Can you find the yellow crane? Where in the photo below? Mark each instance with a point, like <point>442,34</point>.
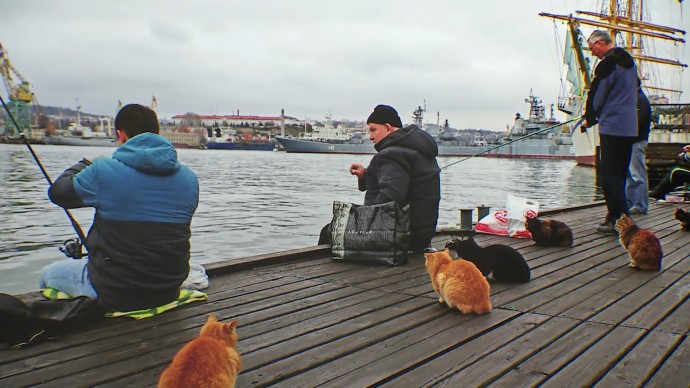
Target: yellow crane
<point>20,96</point>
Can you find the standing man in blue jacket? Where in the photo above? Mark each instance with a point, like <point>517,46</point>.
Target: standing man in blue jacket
<point>612,103</point>
<point>144,198</point>
<point>404,170</point>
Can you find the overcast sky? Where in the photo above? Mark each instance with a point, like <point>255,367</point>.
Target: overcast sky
<point>474,61</point>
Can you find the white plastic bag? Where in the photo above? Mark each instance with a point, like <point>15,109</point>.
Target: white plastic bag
<point>494,223</point>
<point>517,209</point>
<point>511,221</point>
<point>197,279</point>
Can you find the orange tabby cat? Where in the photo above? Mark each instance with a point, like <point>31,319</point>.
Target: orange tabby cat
<point>210,360</point>
<point>458,282</point>
<point>642,245</point>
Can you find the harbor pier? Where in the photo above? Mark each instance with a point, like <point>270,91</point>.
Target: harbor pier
<point>585,318</point>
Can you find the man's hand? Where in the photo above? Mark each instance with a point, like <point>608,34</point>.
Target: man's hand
<point>686,148</point>
<point>357,169</point>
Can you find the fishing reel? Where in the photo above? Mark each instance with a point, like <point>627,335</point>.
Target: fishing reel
<point>72,248</point>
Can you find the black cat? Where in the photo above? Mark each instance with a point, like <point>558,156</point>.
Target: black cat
<point>684,218</point>
<point>506,264</point>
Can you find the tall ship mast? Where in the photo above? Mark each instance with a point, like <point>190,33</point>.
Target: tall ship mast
<point>654,47</point>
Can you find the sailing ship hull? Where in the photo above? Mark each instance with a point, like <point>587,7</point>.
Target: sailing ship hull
<point>670,132</point>
<point>585,145</point>
<point>524,149</point>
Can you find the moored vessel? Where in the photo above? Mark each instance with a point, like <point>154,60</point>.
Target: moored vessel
<point>79,135</point>
<point>231,140</point>
<point>535,137</point>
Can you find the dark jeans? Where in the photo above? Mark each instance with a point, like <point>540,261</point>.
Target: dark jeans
<point>613,171</point>
<point>676,177</point>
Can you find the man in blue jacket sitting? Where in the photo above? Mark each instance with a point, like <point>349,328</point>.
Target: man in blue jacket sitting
<point>144,198</point>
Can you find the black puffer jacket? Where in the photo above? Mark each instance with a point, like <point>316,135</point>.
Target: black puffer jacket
<point>405,171</point>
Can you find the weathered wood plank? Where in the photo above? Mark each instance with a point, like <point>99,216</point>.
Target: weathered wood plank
<point>306,320</point>
<point>674,371</point>
<point>589,366</point>
<point>640,362</point>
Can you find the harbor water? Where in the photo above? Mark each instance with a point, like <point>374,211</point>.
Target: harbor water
<point>255,202</point>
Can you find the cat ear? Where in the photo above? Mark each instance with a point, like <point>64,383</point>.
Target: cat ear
<point>229,327</point>
<point>212,318</point>
<point>446,251</point>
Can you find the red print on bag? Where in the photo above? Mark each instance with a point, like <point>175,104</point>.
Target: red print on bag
<point>502,217</point>
<point>529,213</point>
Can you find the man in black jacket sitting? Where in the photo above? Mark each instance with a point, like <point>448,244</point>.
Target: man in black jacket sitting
<point>404,170</point>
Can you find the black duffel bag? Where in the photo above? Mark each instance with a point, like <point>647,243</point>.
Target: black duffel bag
<point>372,234</point>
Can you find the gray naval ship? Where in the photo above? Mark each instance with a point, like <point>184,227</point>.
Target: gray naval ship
<point>532,137</point>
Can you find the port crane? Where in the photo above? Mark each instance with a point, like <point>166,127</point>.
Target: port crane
<point>20,96</point>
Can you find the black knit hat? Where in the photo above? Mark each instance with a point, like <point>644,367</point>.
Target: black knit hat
<point>384,114</point>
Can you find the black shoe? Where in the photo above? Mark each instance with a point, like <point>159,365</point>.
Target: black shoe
<point>605,220</point>
<point>607,229</point>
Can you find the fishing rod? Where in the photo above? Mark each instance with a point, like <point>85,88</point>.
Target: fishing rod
<point>72,247</point>
<point>512,141</point>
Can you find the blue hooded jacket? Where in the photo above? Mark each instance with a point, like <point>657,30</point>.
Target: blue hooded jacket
<point>138,244</point>
<point>612,99</point>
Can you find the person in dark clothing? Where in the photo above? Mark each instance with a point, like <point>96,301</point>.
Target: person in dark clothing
<point>637,185</point>
<point>677,176</point>
<point>144,198</point>
<point>612,103</point>
<point>404,170</point>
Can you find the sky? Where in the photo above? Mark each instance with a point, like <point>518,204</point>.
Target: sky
<point>471,62</point>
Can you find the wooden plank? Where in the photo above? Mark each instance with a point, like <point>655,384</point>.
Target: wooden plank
<point>364,308</point>
<point>674,371</point>
<point>306,320</point>
<point>406,351</point>
<point>641,361</point>
<point>91,352</point>
<point>663,305</point>
<point>632,302</point>
<point>226,266</point>
<point>541,290</point>
<point>486,345</point>
<point>678,321</point>
<point>553,355</point>
<point>589,366</point>
<point>480,371</point>
<point>281,369</point>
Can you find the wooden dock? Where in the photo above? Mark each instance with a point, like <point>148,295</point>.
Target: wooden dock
<point>586,318</point>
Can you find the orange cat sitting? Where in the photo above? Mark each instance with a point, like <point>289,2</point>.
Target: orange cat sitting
<point>643,247</point>
<point>458,282</point>
<point>210,360</point>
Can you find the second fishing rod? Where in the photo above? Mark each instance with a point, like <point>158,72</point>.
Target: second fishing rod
<point>514,141</point>
<point>72,247</point>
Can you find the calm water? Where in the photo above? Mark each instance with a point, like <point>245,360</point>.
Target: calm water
<point>254,202</point>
